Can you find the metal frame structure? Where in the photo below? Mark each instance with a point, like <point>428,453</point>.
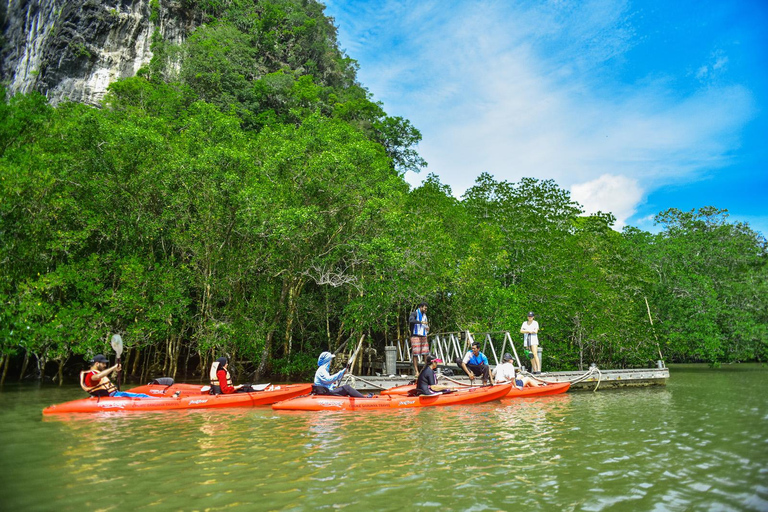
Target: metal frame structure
<point>451,345</point>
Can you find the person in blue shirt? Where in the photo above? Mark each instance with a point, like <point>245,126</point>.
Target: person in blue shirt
<point>418,325</point>
<point>327,384</point>
<point>475,364</point>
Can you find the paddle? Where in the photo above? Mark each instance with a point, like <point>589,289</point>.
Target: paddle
<point>354,355</point>
<point>117,346</point>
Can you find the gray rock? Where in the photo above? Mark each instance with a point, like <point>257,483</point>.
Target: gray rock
<point>73,49</point>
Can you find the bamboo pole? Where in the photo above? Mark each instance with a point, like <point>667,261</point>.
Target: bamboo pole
<point>661,358</point>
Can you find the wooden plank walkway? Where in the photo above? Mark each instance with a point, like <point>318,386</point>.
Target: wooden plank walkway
<point>608,379</point>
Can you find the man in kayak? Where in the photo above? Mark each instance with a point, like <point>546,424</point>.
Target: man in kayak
<point>505,372</point>
<point>530,332</point>
<point>475,364</point>
<point>418,325</point>
<point>327,384</point>
<point>426,384</point>
<point>221,379</point>
<point>95,381</point>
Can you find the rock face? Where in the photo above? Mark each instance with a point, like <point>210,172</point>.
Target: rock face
<point>73,49</point>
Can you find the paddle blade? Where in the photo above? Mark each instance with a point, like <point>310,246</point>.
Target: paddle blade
<point>117,344</point>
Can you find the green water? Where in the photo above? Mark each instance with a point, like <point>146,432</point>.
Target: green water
<point>700,443</point>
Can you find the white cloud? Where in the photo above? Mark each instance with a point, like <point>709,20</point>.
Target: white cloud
<point>616,194</point>
<point>530,91</point>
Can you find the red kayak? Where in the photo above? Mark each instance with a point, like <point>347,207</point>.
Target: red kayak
<point>344,403</point>
<point>199,389</point>
<point>550,389</point>
<point>190,401</point>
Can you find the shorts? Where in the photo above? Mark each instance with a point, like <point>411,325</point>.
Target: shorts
<point>419,345</point>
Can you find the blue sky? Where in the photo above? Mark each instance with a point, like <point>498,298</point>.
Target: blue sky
<point>635,107</point>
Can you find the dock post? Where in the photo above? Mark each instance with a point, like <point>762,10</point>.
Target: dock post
<point>390,360</point>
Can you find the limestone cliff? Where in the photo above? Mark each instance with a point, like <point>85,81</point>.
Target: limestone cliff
<point>73,49</point>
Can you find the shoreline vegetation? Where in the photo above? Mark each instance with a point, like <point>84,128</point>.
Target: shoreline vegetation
<point>244,194</point>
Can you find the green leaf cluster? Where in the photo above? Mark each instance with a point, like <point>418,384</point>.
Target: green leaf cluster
<point>244,195</point>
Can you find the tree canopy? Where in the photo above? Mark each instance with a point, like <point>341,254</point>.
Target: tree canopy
<point>251,201</point>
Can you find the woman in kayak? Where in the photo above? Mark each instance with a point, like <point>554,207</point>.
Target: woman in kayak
<point>327,384</point>
<point>505,372</point>
<point>426,384</point>
<point>221,379</point>
<point>95,381</point>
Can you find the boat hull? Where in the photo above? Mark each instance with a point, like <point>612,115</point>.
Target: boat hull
<point>343,403</point>
<point>166,403</point>
<point>550,389</point>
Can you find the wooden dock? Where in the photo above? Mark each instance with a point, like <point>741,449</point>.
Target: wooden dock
<point>607,379</point>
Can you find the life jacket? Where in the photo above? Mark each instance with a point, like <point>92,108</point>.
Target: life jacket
<point>103,388</point>
<point>215,386</point>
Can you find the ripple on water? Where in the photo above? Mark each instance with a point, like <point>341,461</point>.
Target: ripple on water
<point>689,446</point>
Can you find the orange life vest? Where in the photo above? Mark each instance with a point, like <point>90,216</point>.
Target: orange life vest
<point>103,388</point>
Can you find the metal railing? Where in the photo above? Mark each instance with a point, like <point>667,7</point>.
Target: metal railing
<point>449,346</point>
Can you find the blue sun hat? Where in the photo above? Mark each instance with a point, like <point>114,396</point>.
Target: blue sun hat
<point>325,358</point>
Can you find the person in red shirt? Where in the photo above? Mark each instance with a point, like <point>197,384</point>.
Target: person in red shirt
<point>221,380</point>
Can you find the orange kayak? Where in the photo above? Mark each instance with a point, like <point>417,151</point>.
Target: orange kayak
<point>190,401</point>
<point>199,389</point>
<point>515,392</point>
<point>344,403</point>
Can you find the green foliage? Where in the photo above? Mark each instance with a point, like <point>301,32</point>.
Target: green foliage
<point>154,11</point>
<point>244,195</point>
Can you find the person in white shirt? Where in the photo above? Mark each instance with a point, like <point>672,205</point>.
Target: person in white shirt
<point>530,331</point>
<point>505,372</point>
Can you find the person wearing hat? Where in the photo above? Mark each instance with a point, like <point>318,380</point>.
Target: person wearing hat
<point>327,384</point>
<point>505,372</point>
<point>221,379</point>
<point>427,384</point>
<point>418,325</point>
<point>530,332</point>
<point>95,381</point>
<point>475,364</point>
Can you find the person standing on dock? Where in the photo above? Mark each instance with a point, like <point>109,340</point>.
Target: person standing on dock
<point>530,332</point>
<point>475,364</point>
<point>418,325</point>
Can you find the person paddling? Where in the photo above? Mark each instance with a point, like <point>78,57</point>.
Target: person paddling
<point>95,381</point>
<point>327,384</point>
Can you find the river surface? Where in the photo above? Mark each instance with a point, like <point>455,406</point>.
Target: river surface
<point>700,443</point>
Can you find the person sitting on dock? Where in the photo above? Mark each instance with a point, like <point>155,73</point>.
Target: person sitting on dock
<point>221,379</point>
<point>327,384</point>
<point>427,384</point>
<point>475,364</point>
<point>95,381</point>
<point>505,372</point>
